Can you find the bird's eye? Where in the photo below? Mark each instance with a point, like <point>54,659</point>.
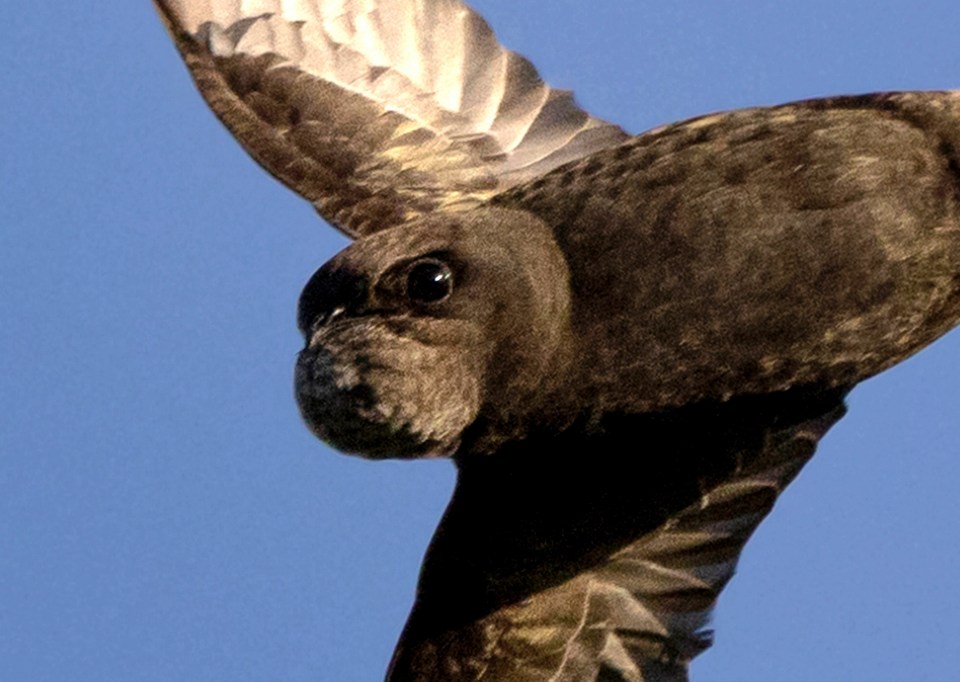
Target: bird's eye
<point>429,281</point>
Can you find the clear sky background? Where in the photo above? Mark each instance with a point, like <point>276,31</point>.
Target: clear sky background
<point>163,513</point>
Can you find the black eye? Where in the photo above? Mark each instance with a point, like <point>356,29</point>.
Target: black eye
<point>429,281</point>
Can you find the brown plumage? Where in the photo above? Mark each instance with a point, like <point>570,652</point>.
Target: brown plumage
<point>630,345</point>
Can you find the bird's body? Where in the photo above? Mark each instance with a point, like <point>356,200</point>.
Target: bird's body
<point>630,345</point>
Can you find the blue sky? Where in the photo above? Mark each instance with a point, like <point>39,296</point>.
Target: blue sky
<point>163,513</point>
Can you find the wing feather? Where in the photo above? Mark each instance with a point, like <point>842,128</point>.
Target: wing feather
<point>551,608</point>
<point>378,111</point>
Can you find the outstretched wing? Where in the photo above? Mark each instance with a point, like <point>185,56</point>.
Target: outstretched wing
<point>558,572</point>
<point>754,250</point>
<point>378,111</point>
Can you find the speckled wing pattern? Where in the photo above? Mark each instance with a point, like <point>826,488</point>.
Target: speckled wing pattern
<point>638,615</point>
<point>378,111</point>
<point>872,182</point>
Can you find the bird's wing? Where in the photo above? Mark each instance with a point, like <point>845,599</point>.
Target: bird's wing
<point>532,590</point>
<point>378,111</point>
<point>754,250</point>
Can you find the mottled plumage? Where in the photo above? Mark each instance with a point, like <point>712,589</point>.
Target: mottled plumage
<point>629,345</point>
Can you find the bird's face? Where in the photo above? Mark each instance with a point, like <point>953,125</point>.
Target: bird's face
<point>414,333</point>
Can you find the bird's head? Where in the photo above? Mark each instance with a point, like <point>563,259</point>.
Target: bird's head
<point>417,332</point>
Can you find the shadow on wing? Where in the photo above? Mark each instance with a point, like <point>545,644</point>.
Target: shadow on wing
<point>599,555</point>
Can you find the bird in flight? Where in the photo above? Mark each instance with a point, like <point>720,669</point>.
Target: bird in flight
<point>629,345</point>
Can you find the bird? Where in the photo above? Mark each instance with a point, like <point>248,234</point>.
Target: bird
<point>629,345</point>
